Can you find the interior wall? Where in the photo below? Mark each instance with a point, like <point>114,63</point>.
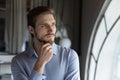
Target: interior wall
<point>90,11</point>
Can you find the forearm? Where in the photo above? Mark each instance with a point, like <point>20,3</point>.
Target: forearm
<point>39,67</point>
<point>20,73</point>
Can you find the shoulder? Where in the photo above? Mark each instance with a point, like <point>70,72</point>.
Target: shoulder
<point>19,57</point>
<point>69,55</point>
<point>67,51</point>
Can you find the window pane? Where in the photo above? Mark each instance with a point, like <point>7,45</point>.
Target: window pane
<point>118,68</point>
<point>116,65</point>
<point>112,13</point>
<point>106,58</point>
<point>92,69</point>
<point>99,38</point>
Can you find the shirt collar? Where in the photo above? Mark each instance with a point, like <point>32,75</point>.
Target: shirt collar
<point>54,47</point>
<point>31,51</point>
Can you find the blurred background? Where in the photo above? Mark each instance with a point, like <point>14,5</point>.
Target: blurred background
<point>91,27</point>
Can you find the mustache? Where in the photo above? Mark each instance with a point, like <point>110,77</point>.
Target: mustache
<point>50,34</point>
<point>43,41</point>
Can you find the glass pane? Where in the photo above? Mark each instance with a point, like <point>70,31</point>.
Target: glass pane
<point>106,58</point>
<point>99,38</point>
<point>112,13</point>
<point>92,69</point>
<point>118,68</point>
<point>116,65</point>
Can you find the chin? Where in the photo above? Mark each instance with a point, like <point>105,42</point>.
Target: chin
<point>51,42</point>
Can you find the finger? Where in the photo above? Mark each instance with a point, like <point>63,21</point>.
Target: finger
<point>48,49</point>
<point>46,46</point>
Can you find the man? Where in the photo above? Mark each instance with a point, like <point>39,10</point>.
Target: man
<point>44,60</point>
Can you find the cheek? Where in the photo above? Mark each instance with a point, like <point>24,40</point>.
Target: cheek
<point>38,32</point>
<point>55,30</point>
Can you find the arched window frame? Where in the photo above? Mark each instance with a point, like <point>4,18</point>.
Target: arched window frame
<point>91,57</point>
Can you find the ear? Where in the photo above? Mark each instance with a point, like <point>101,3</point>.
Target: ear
<point>31,29</point>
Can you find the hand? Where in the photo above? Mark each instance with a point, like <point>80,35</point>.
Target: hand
<point>44,55</point>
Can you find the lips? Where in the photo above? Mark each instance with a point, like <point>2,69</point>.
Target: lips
<point>50,35</point>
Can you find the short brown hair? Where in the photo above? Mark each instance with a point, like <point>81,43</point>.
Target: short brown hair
<point>32,15</point>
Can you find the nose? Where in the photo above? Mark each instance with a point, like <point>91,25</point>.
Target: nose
<point>50,28</point>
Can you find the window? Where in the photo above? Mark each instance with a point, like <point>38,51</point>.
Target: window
<point>105,50</point>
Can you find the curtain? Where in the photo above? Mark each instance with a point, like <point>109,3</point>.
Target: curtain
<point>68,19</point>
<point>17,36</point>
<point>35,3</point>
<point>15,30</point>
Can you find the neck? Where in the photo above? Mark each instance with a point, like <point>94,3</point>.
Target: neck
<point>37,45</point>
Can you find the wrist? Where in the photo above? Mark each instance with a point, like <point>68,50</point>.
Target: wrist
<point>39,68</point>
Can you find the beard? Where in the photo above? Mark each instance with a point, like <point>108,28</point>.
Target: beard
<point>42,40</point>
<point>45,41</point>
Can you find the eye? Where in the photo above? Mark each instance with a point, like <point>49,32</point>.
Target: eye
<point>54,24</point>
<point>43,25</point>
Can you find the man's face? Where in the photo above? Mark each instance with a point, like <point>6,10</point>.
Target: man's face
<point>45,28</point>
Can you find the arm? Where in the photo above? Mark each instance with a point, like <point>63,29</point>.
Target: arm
<point>19,69</point>
<point>44,56</point>
<point>19,73</point>
<point>73,72</point>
